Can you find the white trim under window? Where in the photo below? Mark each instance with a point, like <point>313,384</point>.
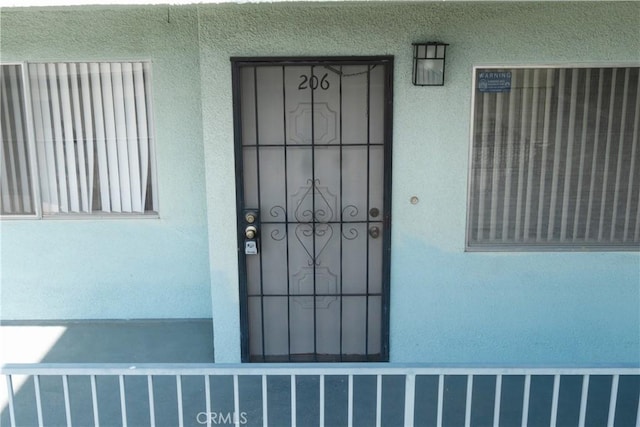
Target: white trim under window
<point>554,161</point>
<point>92,132</point>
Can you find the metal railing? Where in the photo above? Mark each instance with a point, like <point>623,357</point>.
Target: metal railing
<point>296,394</point>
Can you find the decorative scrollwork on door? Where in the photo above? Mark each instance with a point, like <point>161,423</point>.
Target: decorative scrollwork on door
<point>314,203</point>
<point>314,238</point>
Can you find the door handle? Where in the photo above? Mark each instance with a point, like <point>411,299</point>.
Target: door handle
<point>250,232</point>
<point>374,232</point>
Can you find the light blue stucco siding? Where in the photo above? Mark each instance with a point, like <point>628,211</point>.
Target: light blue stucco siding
<point>117,268</point>
<point>447,306</point>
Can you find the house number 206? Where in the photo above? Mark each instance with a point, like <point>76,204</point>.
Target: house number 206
<point>314,82</point>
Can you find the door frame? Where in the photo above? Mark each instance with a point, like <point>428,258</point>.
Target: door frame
<point>237,63</point>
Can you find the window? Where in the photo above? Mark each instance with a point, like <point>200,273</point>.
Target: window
<point>87,128</point>
<point>555,159</point>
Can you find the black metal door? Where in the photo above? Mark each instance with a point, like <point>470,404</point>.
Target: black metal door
<point>313,162</point>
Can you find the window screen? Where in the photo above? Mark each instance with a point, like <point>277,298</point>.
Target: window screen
<point>555,158</point>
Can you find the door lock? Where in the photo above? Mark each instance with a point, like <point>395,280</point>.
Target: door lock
<point>250,232</point>
<point>250,217</point>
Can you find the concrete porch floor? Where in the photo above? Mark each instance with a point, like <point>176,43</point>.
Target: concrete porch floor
<point>97,341</point>
<point>107,341</point>
<point>191,341</point>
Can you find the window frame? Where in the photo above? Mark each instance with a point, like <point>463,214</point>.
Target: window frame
<point>33,160</point>
<point>522,247</point>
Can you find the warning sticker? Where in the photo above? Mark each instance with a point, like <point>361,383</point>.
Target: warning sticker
<point>494,81</point>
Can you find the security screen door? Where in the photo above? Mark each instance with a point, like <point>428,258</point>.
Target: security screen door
<point>313,155</point>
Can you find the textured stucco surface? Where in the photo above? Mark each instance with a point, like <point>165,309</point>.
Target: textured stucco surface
<point>446,305</point>
<point>117,268</point>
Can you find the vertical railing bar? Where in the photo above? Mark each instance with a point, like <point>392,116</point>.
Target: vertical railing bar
<point>265,414</point>
<point>440,400</point>
<point>350,401</point>
<point>554,400</point>
<point>321,400</point>
<point>152,406</point>
<point>613,400</point>
<point>236,401</point>
<point>314,220</point>
<point>207,398</point>
<point>67,403</point>
<point>409,399</point>
<point>378,400</point>
<point>293,401</point>
<point>525,400</point>
<point>341,210</point>
<point>496,403</point>
<point>36,385</point>
<point>368,263</point>
<point>94,402</point>
<point>638,414</point>
<point>123,402</point>
<point>179,398</point>
<point>255,103</point>
<point>468,400</point>
<point>286,208</point>
<point>583,400</point>
<point>12,414</point>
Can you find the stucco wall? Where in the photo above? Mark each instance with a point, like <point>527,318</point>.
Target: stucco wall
<point>117,268</point>
<point>446,305</point>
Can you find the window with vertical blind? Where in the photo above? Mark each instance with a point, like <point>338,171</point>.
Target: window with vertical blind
<point>555,162</point>
<point>76,139</point>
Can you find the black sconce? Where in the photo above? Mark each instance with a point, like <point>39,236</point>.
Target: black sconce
<point>428,63</point>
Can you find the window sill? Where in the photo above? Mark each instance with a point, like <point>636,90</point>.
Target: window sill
<point>620,247</point>
<point>83,216</point>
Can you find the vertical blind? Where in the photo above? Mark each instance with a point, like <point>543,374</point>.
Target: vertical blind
<point>93,139</point>
<point>16,194</point>
<point>555,159</point>
<point>92,136</point>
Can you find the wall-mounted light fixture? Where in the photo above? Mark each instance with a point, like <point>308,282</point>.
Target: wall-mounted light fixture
<point>428,63</point>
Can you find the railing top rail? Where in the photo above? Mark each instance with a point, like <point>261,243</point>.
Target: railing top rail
<point>304,369</point>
